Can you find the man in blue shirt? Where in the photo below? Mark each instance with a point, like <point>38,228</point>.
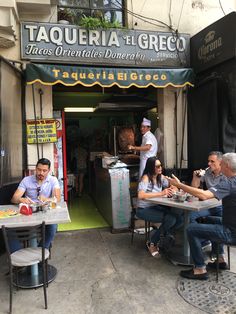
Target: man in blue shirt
<point>39,187</point>
<point>217,230</point>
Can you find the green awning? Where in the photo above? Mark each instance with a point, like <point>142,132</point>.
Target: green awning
<point>51,74</point>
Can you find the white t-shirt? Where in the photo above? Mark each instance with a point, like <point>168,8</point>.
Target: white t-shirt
<point>149,138</point>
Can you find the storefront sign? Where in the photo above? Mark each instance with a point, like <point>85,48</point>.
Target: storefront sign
<point>41,131</point>
<point>214,44</point>
<point>68,43</point>
<point>67,75</point>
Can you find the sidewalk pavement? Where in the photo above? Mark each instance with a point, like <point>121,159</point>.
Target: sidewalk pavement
<point>102,273</point>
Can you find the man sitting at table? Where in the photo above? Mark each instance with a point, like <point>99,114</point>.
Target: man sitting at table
<point>39,187</point>
<point>217,230</point>
<point>208,178</point>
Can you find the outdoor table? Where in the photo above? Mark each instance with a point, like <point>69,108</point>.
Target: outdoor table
<point>181,256</point>
<point>60,214</point>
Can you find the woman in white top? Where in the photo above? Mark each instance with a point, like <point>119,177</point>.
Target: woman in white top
<point>154,184</point>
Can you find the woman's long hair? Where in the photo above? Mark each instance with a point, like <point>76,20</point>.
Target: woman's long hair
<point>149,170</point>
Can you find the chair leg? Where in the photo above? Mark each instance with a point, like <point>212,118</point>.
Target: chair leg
<point>46,262</point>
<point>45,286</point>
<point>149,226</point>
<point>146,235</point>
<point>217,262</point>
<point>11,288</point>
<point>228,251</point>
<point>132,236</point>
<point>132,226</point>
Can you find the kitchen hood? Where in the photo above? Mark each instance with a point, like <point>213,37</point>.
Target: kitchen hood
<point>126,103</point>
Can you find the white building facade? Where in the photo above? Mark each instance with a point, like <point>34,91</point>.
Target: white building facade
<point>178,17</point>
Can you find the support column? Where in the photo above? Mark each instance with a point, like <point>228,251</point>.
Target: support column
<point>172,114</point>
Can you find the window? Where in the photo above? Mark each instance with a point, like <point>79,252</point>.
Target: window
<point>74,10</point>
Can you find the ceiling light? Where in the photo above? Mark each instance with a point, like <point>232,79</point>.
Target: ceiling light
<point>79,109</point>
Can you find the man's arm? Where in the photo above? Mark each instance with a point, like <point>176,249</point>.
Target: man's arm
<point>144,148</point>
<point>17,197</point>
<point>201,194</point>
<point>57,194</point>
<point>196,180</point>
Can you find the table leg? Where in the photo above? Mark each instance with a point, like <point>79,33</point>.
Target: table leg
<point>180,255</point>
<point>34,268</point>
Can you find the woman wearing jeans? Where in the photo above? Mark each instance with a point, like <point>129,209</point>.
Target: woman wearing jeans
<point>154,184</point>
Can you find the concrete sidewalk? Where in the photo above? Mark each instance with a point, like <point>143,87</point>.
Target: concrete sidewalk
<point>101,273</point>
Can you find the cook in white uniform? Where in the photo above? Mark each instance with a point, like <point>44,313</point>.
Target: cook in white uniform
<point>148,147</point>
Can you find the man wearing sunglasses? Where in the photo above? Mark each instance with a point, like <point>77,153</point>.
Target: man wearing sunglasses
<point>148,147</point>
<point>40,187</point>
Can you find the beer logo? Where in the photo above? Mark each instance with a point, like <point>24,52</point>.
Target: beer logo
<point>209,37</point>
<point>207,51</point>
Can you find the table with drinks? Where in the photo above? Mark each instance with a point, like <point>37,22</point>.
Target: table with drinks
<point>10,216</point>
<point>181,255</point>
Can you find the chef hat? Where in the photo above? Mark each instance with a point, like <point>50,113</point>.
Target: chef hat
<point>146,122</point>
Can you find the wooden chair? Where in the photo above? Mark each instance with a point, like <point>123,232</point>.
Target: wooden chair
<point>27,256</point>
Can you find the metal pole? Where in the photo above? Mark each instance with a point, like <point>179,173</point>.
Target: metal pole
<point>35,121</point>
<point>41,112</point>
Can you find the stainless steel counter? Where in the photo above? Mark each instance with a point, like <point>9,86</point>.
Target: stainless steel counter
<point>111,195</point>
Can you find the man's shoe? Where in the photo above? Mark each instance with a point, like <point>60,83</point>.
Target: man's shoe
<point>222,265</point>
<point>190,275</point>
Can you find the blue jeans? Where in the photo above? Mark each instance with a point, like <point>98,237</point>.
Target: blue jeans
<point>160,214</point>
<point>50,231</point>
<point>213,231</point>
<point>216,211</point>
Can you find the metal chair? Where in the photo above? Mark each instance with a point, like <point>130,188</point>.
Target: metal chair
<point>134,218</point>
<point>27,256</point>
<point>217,257</point>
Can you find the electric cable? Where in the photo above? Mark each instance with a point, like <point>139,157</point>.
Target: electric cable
<point>56,8</point>
<point>170,13</point>
<point>144,2</point>
<point>180,14</point>
<point>221,7</point>
<point>142,17</point>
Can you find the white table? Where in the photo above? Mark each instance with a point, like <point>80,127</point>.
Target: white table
<point>182,256</point>
<point>57,215</point>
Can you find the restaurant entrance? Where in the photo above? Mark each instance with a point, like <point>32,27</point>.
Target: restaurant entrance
<point>116,98</point>
<point>90,135</point>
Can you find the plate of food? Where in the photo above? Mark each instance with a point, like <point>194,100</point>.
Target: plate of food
<point>9,212</point>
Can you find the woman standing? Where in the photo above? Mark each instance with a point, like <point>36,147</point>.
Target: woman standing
<point>154,184</point>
